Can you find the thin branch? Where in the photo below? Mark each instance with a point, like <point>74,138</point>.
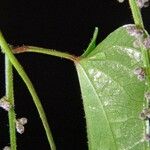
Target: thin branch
<point>136,13</point>
<point>6,49</point>
<point>10,97</point>
<point>46,51</point>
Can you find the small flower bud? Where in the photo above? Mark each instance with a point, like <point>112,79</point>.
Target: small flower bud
<point>6,148</point>
<point>120,1</point>
<point>135,32</point>
<point>141,77</point>
<point>142,116</point>
<point>22,121</point>
<point>146,42</point>
<point>140,73</point>
<point>143,3</point>
<point>147,96</point>
<point>145,114</point>
<point>147,137</point>
<point>5,104</point>
<point>20,128</point>
<point>146,4</point>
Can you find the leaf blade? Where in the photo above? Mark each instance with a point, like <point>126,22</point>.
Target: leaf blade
<point>112,95</point>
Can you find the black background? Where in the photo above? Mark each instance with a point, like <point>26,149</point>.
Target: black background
<point>65,25</point>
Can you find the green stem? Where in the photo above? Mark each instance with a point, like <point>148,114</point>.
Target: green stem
<point>139,22</point>
<point>136,13</point>
<point>6,49</point>
<point>146,64</point>
<point>44,51</point>
<point>10,97</point>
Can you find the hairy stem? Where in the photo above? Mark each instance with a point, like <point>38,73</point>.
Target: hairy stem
<point>51,52</point>
<point>136,13</point>
<point>10,97</point>
<point>6,49</point>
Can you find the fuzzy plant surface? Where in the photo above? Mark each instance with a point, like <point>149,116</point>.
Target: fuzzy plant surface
<point>114,77</point>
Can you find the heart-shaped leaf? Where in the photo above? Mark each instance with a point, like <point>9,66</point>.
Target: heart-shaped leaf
<point>113,96</point>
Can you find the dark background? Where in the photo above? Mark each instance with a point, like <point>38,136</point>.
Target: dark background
<point>65,25</point>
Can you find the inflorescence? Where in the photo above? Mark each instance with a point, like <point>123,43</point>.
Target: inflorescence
<point>142,41</point>
<point>140,3</point>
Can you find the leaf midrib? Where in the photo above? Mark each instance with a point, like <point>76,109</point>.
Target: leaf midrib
<point>104,112</point>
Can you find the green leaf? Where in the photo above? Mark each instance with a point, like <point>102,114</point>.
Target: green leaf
<point>92,44</point>
<point>112,94</point>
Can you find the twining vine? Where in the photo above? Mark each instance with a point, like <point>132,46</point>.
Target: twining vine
<point>7,102</point>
